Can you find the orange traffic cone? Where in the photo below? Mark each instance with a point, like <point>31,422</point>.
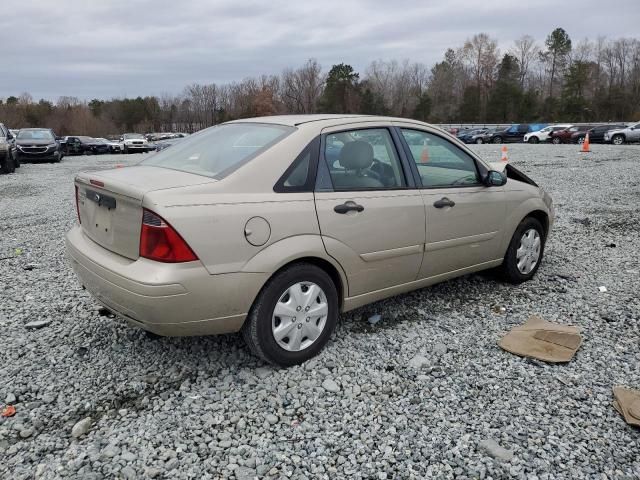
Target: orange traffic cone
<point>504,157</point>
<point>424,156</point>
<point>585,145</point>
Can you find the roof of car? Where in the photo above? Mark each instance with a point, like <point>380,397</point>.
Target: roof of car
<point>294,120</point>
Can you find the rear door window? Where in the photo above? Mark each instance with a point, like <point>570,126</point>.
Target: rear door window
<point>363,159</point>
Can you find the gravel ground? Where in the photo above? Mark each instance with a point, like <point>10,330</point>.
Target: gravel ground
<point>426,392</point>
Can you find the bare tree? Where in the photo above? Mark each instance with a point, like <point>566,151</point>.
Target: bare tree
<point>526,51</point>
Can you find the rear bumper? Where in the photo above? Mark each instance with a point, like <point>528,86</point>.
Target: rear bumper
<point>167,299</point>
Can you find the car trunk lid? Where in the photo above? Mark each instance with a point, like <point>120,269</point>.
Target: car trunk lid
<point>110,203</point>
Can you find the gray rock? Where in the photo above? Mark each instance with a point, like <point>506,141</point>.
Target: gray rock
<point>10,399</point>
<point>440,349</point>
<point>245,473</point>
<point>330,385</point>
<point>26,432</point>
<point>38,324</point>
<point>493,449</point>
<point>129,473</point>
<point>272,419</point>
<point>418,362</point>
<point>82,427</point>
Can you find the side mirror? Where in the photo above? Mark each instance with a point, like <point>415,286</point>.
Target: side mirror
<point>122,139</point>
<point>9,136</point>
<point>495,179</point>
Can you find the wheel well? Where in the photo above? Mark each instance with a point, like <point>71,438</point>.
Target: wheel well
<point>543,218</point>
<point>327,267</point>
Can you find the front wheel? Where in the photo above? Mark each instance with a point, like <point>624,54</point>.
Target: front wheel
<point>556,140</point>
<point>580,140</point>
<point>479,141</point>
<point>293,316</point>
<point>7,165</point>
<point>617,140</point>
<point>497,140</point>
<point>534,140</point>
<point>525,252</point>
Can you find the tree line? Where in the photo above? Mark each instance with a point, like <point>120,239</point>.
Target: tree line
<point>558,80</point>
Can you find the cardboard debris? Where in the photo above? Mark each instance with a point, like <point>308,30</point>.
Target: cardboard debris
<point>627,403</point>
<point>543,340</point>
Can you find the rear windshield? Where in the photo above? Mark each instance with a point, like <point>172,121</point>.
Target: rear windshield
<point>217,151</point>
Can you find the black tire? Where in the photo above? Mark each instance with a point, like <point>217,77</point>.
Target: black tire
<point>509,269</point>
<point>7,165</point>
<point>618,139</point>
<point>556,140</point>
<point>534,140</point>
<point>16,161</point>
<point>126,150</point>
<point>496,140</point>
<point>479,141</point>
<point>580,140</point>
<point>257,328</point>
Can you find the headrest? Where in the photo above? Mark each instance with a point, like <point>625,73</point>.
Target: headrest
<point>356,155</point>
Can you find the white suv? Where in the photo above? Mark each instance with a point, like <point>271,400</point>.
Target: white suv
<point>544,135</point>
<point>134,142</point>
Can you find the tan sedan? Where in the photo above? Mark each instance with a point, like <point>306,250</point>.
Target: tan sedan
<point>273,226</point>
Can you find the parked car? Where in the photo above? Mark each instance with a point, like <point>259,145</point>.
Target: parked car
<point>564,135</point>
<point>623,135</point>
<point>514,133</point>
<point>543,134</point>
<point>82,145</point>
<point>37,144</point>
<point>596,134</point>
<point>484,137</point>
<point>7,161</point>
<point>161,145</point>
<point>468,135</point>
<point>113,146</point>
<point>246,226</point>
<point>134,142</point>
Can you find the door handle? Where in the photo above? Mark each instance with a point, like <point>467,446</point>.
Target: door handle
<point>444,202</point>
<point>348,207</point>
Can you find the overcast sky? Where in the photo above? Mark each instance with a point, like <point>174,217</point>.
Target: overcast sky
<point>115,48</point>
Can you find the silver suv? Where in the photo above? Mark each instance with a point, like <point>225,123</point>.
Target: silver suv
<point>623,135</point>
<point>7,161</point>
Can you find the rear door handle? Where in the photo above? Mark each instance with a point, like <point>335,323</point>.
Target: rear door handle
<point>348,207</point>
<point>444,202</point>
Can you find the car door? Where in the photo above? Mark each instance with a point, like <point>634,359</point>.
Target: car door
<point>633,134</point>
<point>371,215</point>
<point>465,218</point>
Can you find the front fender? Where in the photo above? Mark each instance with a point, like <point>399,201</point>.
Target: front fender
<point>517,214</point>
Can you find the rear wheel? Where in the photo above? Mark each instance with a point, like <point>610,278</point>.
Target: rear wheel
<point>556,140</point>
<point>618,139</point>
<point>534,140</point>
<point>497,140</point>
<point>479,141</point>
<point>293,317</point>
<point>525,252</point>
<point>580,140</point>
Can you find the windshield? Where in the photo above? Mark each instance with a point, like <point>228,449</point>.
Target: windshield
<point>129,136</point>
<point>217,151</point>
<point>35,135</point>
<point>87,139</point>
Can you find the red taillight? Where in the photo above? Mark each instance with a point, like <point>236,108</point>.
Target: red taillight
<point>160,242</point>
<point>78,205</point>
